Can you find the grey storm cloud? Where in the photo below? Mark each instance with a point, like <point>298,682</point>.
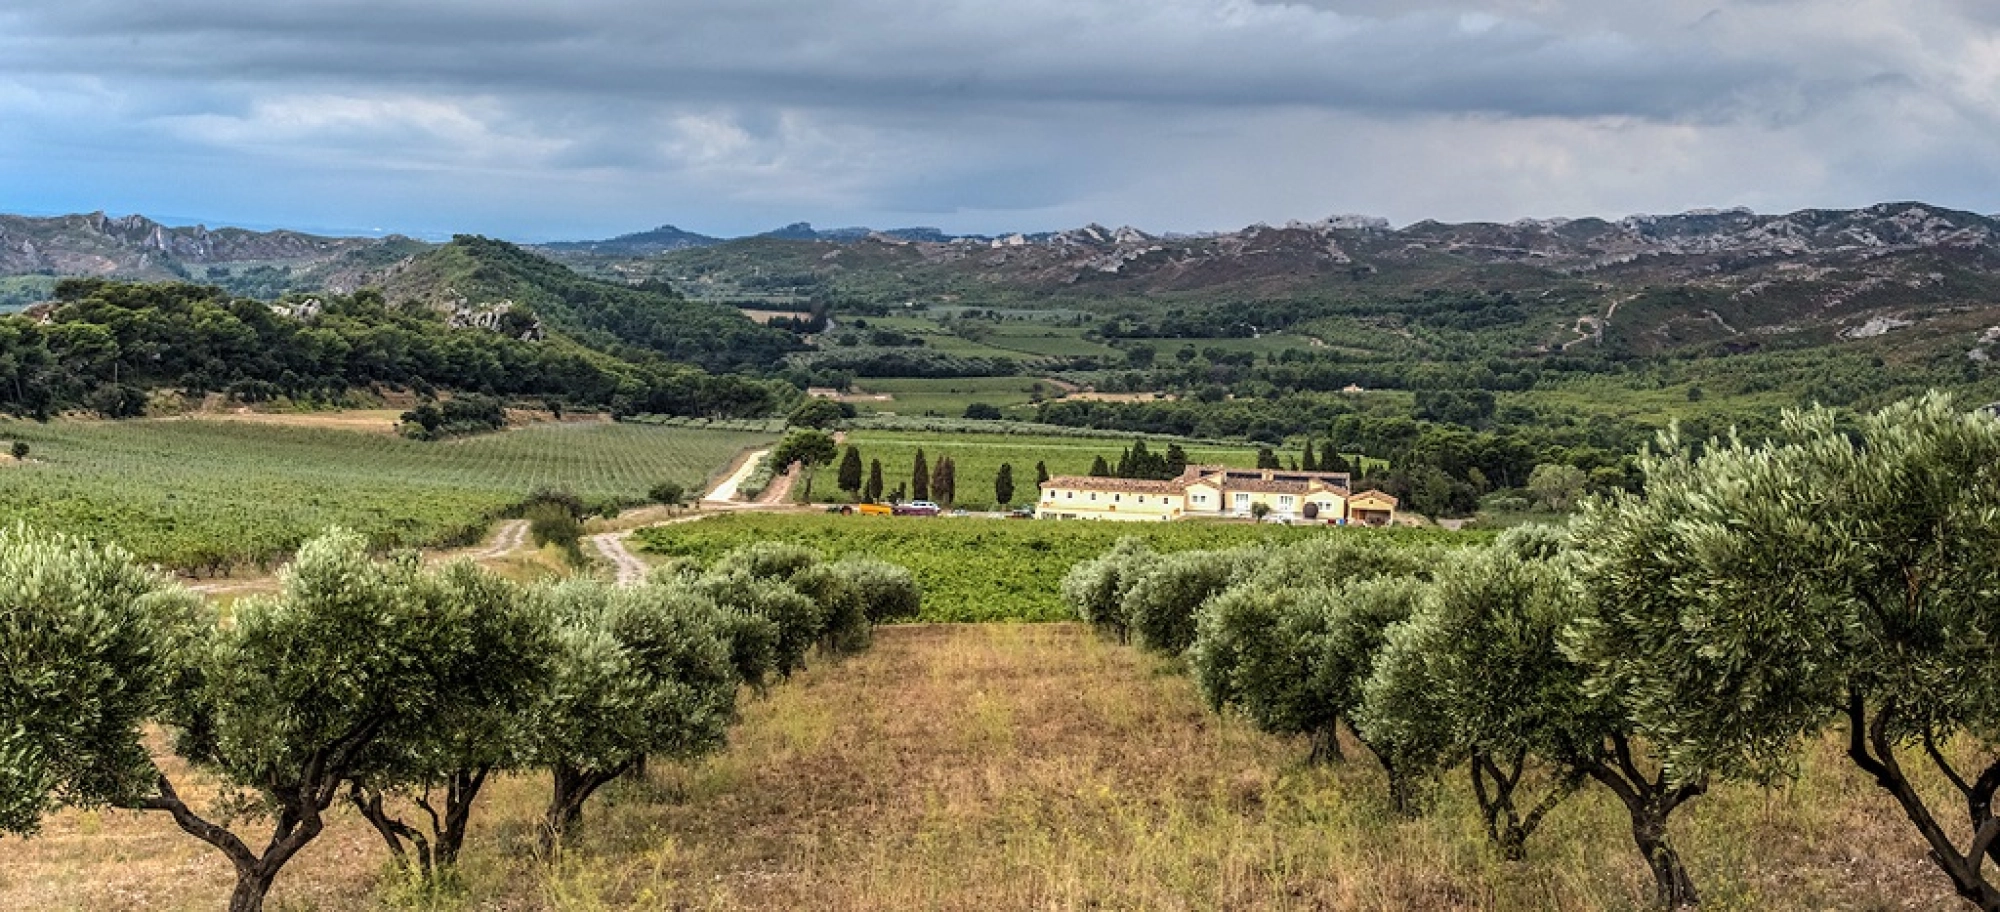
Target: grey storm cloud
<point>531,118</point>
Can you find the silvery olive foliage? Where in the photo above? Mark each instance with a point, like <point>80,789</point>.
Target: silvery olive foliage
<point>1164,596</point>
<point>1843,575</point>
<point>90,649</point>
<point>1095,589</point>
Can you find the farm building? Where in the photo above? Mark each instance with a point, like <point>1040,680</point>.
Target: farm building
<point>1216,491</point>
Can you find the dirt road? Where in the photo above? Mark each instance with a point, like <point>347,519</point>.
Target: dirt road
<point>611,546</point>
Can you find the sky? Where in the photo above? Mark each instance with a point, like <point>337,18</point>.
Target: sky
<point>590,118</point>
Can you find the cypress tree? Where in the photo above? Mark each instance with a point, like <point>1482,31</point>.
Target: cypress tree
<point>1041,473</point>
<point>1099,468</point>
<point>1177,460</point>
<point>850,471</point>
<point>1267,459</point>
<point>1307,461</point>
<point>873,492</point>
<point>944,481</point>
<point>920,478</point>
<point>1003,485</point>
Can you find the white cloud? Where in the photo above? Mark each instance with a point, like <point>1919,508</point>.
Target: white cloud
<point>1180,114</point>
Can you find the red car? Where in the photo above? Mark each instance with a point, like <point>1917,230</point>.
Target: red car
<point>917,508</point>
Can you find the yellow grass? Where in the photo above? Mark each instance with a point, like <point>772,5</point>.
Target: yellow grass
<point>1030,767</point>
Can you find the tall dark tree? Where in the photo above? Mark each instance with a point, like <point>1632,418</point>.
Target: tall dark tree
<point>1041,473</point>
<point>1003,484</point>
<point>1307,461</point>
<point>1099,468</point>
<point>850,471</point>
<point>872,492</point>
<point>920,477</point>
<point>1177,460</point>
<point>944,481</point>
<point>1267,459</point>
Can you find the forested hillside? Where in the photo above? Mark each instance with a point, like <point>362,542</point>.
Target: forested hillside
<point>104,345</point>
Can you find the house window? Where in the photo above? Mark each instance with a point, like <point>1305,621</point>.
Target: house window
<point>1071,495</point>
<point>1242,502</point>
<point>1285,503</point>
<point>1093,495</point>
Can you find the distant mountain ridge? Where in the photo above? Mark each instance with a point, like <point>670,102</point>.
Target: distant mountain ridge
<point>1644,283</point>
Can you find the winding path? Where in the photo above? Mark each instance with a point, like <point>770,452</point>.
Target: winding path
<point>725,490</point>
<point>510,536</point>
<point>611,547</point>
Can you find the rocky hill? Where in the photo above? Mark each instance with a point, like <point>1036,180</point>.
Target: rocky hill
<point>1644,283</point>
<point>136,247</point>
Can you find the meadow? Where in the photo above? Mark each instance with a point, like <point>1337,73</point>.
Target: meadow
<point>1026,767</point>
<point>977,569</point>
<point>203,495</point>
<point>947,397</point>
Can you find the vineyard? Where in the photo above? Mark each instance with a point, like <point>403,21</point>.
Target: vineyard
<point>204,496</point>
<point>976,570</point>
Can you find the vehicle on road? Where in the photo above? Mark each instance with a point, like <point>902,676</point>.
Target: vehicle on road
<point>867,509</point>
<point>917,508</point>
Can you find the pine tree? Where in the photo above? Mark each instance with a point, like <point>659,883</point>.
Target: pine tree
<point>920,478</point>
<point>850,471</point>
<point>1099,468</point>
<point>1307,461</point>
<point>1003,485</point>
<point>873,492</point>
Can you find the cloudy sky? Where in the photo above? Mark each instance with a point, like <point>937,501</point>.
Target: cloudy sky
<point>588,118</point>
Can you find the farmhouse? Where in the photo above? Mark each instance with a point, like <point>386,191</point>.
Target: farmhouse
<point>1216,491</point>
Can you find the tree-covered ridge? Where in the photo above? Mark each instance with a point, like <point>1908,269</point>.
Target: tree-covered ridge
<point>621,318</point>
<point>106,343</point>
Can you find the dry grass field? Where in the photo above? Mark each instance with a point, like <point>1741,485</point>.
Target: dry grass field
<point>1026,767</point>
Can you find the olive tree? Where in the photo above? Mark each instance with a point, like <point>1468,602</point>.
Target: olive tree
<point>1164,596</point>
<point>1095,589</point>
<point>639,671</point>
<point>1476,675</point>
<point>1758,594</point>
<point>888,591</point>
<point>793,618</point>
<point>285,702</point>
<point>90,648</point>
<point>438,763</point>
<point>1294,661</point>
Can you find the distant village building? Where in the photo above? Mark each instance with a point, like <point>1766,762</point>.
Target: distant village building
<point>1216,491</point>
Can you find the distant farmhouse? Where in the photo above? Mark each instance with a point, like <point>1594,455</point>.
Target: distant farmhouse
<point>1217,491</point>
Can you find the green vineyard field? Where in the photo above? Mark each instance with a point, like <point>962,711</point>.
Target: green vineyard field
<point>193,494</point>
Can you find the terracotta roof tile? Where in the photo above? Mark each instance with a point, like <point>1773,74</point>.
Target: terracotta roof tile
<point>1133,485</point>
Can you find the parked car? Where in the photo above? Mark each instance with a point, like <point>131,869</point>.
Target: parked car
<point>1021,513</point>
<point>918,508</point>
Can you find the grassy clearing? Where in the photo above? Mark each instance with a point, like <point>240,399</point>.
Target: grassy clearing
<point>948,397</point>
<point>979,457</point>
<point>978,569</point>
<point>180,492</point>
<point>1029,767</point>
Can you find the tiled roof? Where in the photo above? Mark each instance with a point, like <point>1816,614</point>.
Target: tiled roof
<point>1132,485</point>
<point>1377,496</point>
